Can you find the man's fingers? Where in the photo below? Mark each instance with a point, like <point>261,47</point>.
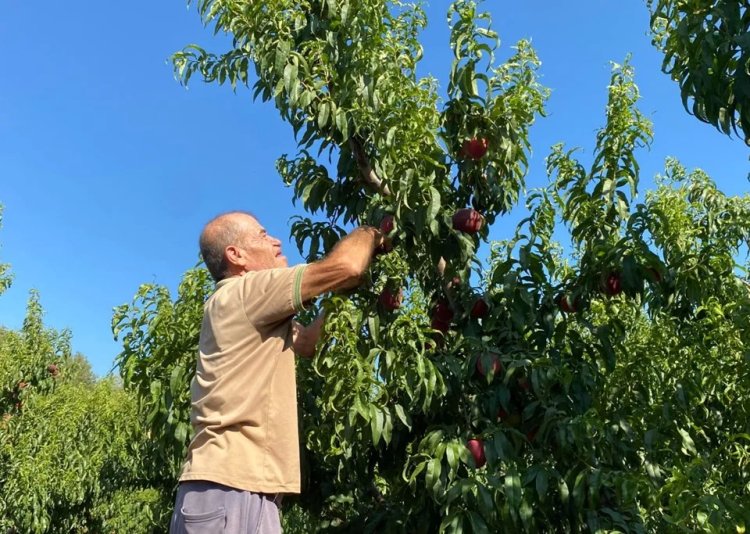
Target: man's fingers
<point>384,246</point>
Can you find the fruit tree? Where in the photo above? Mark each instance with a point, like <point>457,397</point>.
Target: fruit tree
<point>600,386</point>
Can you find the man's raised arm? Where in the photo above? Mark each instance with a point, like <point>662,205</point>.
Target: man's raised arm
<point>344,266</point>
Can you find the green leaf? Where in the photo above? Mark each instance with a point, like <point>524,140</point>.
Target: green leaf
<point>688,445</point>
<point>373,323</point>
<point>387,428</point>
<point>376,423</point>
<point>486,503</point>
<point>478,525</point>
<point>390,136</point>
<point>181,432</point>
<point>578,489</point>
<point>344,12</point>
<point>402,416</point>
<point>452,455</point>
<point>513,489</point>
<point>282,55</point>
<point>526,512</point>
<point>323,114</point>
<point>290,76</point>
<point>434,204</point>
<point>564,491</point>
<point>541,484</point>
<point>432,477</point>
<point>176,380</point>
<point>342,123</point>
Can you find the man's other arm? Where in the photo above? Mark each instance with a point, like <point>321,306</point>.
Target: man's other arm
<point>343,268</point>
<point>306,337</point>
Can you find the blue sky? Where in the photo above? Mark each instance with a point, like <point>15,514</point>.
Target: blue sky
<point>109,168</point>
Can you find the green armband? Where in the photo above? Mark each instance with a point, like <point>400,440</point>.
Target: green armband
<point>297,291</point>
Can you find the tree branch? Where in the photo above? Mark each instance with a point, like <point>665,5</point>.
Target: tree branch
<point>369,176</point>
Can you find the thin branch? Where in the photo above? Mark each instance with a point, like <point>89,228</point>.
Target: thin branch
<point>369,176</point>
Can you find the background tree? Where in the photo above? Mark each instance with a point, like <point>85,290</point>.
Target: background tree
<point>71,447</point>
<point>78,370</point>
<point>5,277</point>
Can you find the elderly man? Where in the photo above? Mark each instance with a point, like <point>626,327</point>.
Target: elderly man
<point>245,451</point>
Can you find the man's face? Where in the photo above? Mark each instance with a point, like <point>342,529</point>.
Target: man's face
<point>264,251</point>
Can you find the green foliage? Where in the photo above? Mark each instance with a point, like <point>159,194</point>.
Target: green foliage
<point>608,382</point>
<point>136,511</point>
<point>569,447</point>
<point>63,453</point>
<point>706,47</point>
<point>70,446</point>
<point>160,346</point>
<point>78,370</point>
<point>5,276</point>
<point>344,74</point>
<point>25,357</point>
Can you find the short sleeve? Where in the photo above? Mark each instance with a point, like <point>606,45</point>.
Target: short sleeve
<point>272,295</point>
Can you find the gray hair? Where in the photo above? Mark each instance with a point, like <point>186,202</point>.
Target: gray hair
<point>219,233</point>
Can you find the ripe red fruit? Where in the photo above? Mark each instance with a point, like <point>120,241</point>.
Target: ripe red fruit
<point>442,315</point>
<point>476,448</point>
<point>497,367</point>
<point>468,220</point>
<point>442,311</point>
<point>386,224</point>
<point>613,284</point>
<point>389,300</point>
<point>480,309</point>
<point>501,414</point>
<point>474,148</point>
<point>567,303</point>
<point>53,369</point>
<point>439,325</point>
<point>384,248</point>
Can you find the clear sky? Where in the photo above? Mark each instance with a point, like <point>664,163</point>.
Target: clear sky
<point>109,168</point>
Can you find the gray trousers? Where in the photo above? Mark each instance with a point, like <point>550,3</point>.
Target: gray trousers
<point>210,508</point>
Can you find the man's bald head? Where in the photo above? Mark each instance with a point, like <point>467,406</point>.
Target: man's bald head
<point>227,229</point>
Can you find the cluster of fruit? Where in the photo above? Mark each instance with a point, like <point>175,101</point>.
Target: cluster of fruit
<point>442,314</point>
<point>611,285</point>
<point>467,220</point>
<point>489,363</point>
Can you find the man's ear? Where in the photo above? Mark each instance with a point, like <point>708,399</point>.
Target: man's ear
<point>233,255</point>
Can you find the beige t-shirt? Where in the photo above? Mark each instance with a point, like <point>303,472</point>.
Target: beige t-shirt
<point>244,404</point>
